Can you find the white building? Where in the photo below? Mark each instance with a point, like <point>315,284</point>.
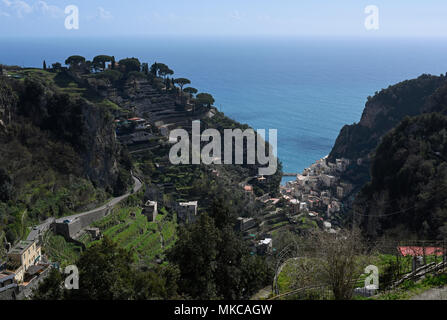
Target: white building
<point>187,211</point>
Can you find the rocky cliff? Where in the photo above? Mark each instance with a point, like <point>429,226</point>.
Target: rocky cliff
<point>382,113</point>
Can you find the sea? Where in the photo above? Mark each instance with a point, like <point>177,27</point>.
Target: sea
<point>307,88</point>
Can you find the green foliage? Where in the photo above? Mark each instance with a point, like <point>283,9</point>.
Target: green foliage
<point>409,181</point>
<point>51,288</point>
<point>204,99</point>
<point>112,75</point>
<point>106,272</point>
<point>57,249</point>
<point>182,82</point>
<point>99,62</point>
<point>382,112</point>
<point>214,262</point>
<point>75,61</point>
<point>6,187</point>
<point>129,64</point>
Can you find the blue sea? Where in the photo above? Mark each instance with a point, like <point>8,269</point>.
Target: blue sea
<point>307,88</point>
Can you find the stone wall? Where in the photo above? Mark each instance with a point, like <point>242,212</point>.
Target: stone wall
<point>72,229</point>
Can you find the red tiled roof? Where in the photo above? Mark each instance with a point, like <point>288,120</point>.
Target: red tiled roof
<point>419,251</point>
<point>248,188</point>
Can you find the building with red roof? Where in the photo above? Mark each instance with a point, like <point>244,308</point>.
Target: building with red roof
<point>420,251</point>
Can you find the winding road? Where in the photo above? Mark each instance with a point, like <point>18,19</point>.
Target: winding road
<point>41,228</point>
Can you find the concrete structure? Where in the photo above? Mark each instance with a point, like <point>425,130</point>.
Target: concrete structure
<point>150,210</point>
<point>70,228</point>
<point>95,233</point>
<point>22,256</point>
<point>328,180</point>
<point>8,287</point>
<point>264,246</point>
<point>187,211</point>
<point>342,164</point>
<point>303,206</point>
<point>245,224</point>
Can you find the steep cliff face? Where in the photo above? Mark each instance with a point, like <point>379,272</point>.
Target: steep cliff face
<point>382,113</point>
<point>58,155</point>
<point>100,153</point>
<point>86,126</point>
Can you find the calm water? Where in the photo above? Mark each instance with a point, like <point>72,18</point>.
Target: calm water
<point>306,88</point>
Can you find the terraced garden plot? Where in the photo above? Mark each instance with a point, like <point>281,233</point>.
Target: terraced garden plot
<point>130,229</point>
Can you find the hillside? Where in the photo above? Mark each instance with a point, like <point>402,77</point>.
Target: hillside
<point>70,145</point>
<point>58,153</point>
<point>382,112</point>
<point>406,197</point>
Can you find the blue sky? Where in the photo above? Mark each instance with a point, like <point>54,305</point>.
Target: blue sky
<point>224,17</point>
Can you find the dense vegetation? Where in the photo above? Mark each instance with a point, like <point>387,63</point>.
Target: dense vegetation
<point>382,112</point>
<point>407,194</point>
<point>61,155</point>
<point>213,260</point>
<point>209,261</point>
<point>57,154</point>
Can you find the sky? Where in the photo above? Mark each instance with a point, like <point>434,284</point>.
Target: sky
<point>401,18</point>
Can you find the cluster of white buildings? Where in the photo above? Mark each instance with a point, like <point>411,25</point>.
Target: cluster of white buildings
<point>318,191</point>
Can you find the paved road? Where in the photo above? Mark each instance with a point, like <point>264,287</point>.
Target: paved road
<point>113,202</point>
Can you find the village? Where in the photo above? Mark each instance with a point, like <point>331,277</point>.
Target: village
<point>318,192</point>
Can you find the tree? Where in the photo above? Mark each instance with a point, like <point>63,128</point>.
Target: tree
<point>105,273</point>
<point>6,186</point>
<point>51,288</point>
<point>191,91</point>
<point>129,64</point>
<point>204,99</point>
<point>164,71</point>
<point>160,283</point>
<point>44,65</point>
<point>122,182</point>
<point>145,68</point>
<point>181,82</point>
<point>99,62</point>
<point>214,262</point>
<point>56,66</point>
<point>154,69</point>
<point>75,62</point>
<point>112,75</point>
<point>336,260</point>
<point>8,100</point>
<point>195,253</point>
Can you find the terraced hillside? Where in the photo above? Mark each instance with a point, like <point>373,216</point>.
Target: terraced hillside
<point>128,227</point>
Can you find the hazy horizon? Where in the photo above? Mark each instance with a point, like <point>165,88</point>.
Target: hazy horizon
<point>212,18</point>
